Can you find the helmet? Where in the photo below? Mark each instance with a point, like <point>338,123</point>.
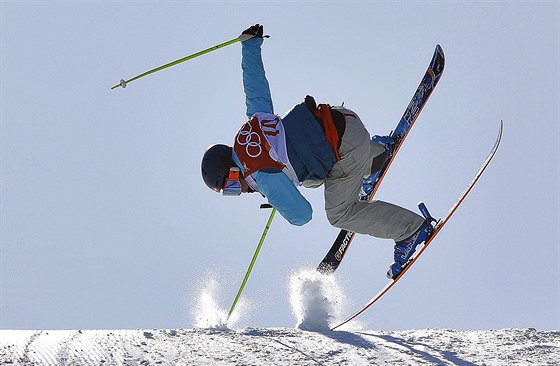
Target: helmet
<point>215,165</point>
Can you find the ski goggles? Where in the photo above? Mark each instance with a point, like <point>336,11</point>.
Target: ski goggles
<point>232,186</point>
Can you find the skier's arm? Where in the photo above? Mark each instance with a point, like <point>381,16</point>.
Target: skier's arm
<point>284,195</point>
<point>255,85</point>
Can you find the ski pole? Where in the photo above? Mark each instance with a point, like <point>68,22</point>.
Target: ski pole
<point>123,82</point>
<point>263,236</point>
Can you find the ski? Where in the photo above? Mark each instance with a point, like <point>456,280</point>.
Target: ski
<point>440,224</point>
<point>334,257</point>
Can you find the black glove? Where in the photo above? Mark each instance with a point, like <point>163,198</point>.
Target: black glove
<point>254,31</point>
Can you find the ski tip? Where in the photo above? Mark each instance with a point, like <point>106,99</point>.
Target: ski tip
<point>439,50</point>
<point>438,60</point>
<point>500,133</point>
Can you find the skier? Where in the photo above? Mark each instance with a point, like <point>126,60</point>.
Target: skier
<point>309,145</point>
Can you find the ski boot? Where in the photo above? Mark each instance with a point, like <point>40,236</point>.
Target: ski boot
<point>388,142</point>
<point>406,248</point>
<point>367,187</point>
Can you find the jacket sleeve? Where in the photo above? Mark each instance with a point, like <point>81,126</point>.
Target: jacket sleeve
<point>255,85</point>
<point>284,195</point>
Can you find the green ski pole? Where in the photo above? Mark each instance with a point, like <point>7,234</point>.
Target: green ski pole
<point>252,263</point>
<point>123,82</point>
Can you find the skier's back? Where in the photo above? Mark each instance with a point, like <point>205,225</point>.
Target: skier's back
<point>309,145</point>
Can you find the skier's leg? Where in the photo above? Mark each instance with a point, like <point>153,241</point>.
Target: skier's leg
<point>380,219</point>
<point>378,155</point>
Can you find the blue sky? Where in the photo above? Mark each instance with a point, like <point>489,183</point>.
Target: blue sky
<point>106,223</point>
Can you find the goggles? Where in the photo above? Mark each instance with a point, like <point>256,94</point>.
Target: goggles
<point>232,186</point>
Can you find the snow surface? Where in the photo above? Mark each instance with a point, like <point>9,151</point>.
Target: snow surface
<point>317,302</point>
<point>279,346</point>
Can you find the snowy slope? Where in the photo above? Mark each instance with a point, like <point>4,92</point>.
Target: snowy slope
<point>316,302</point>
<point>279,346</point>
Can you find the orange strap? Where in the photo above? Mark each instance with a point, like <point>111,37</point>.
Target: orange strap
<point>233,174</point>
<point>323,112</point>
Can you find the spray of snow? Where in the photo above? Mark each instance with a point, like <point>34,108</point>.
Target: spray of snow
<point>317,300</point>
<point>208,312</point>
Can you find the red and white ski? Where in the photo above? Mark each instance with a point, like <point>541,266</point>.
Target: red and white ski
<point>440,224</point>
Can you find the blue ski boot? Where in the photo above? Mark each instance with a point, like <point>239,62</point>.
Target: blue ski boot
<point>386,141</point>
<point>406,248</point>
<point>367,187</point>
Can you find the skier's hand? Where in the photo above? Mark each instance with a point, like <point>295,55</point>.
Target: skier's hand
<point>251,32</point>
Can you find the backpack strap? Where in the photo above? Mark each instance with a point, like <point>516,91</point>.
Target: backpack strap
<point>323,112</point>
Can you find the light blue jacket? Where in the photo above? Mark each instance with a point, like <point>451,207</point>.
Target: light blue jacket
<point>276,186</point>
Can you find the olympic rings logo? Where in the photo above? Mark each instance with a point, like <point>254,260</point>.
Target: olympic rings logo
<point>251,140</point>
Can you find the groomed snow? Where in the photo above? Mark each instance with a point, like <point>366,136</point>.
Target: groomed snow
<point>317,302</point>
<point>279,346</point>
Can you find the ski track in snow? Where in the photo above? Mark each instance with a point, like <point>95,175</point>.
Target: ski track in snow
<point>279,346</point>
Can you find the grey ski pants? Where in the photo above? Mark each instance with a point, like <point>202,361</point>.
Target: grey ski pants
<point>342,186</point>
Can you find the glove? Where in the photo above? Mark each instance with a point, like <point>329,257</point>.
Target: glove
<point>251,32</point>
